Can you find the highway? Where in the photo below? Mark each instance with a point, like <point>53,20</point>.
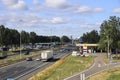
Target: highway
<point>21,70</point>
<point>17,54</point>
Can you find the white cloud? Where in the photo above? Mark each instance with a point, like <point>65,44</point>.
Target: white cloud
<point>21,5</point>
<point>9,2</point>
<point>98,10</point>
<point>36,2</point>
<point>117,10</point>
<point>55,20</point>
<point>14,5</point>
<point>86,25</point>
<point>83,9</point>
<point>88,10</point>
<point>28,20</point>
<point>58,4</point>
<point>58,20</point>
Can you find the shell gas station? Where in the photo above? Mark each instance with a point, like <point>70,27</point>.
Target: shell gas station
<point>86,48</point>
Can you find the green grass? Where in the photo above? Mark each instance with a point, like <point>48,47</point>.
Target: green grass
<point>114,77</point>
<point>70,66</point>
<point>112,74</point>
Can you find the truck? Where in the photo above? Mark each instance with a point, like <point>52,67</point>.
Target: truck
<point>46,55</point>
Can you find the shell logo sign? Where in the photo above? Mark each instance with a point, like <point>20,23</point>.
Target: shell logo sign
<point>84,45</point>
<point>84,49</point>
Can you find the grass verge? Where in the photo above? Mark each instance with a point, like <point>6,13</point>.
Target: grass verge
<point>64,68</point>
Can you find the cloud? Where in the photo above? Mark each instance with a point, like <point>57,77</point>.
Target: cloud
<point>117,10</point>
<point>36,2</point>
<point>88,10</point>
<point>58,4</point>
<point>83,9</point>
<point>98,10</point>
<point>21,5</point>
<point>87,25</point>
<point>9,2</point>
<point>56,20</point>
<point>14,5</point>
<point>29,20</point>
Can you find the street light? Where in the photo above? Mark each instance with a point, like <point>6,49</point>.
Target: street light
<point>20,45</point>
<point>20,41</point>
<point>108,45</point>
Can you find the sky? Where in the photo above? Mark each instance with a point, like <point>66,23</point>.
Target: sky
<point>57,17</point>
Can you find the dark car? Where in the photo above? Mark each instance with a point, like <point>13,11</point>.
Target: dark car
<point>29,59</point>
<point>26,53</point>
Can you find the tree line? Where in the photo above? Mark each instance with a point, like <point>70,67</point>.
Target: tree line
<point>108,36</point>
<point>90,37</point>
<point>13,38</point>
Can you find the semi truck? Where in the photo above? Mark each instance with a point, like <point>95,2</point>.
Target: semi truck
<point>46,55</point>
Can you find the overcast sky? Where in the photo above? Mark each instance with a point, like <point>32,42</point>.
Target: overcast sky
<point>57,17</point>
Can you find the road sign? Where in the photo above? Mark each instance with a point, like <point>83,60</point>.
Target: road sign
<point>80,40</point>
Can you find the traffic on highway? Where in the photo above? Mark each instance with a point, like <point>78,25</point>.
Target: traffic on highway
<point>20,70</point>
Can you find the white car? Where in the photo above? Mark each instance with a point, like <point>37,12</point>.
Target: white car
<point>75,53</point>
<point>38,59</point>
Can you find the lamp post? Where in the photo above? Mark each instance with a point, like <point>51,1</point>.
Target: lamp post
<point>20,45</point>
<point>108,45</point>
<point>20,42</point>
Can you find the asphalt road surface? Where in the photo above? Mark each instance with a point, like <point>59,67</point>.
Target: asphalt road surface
<point>25,69</point>
<point>98,66</point>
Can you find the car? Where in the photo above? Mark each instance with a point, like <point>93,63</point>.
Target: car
<point>10,79</point>
<point>38,59</point>
<point>75,53</point>
<point>29,59</point>
<point>26,52</point>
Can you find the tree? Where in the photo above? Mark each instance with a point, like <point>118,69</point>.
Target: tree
<point>2,35</point>
<point>65,39</point>
<point>25,37</point>
<point>15,37</point>
<point>33,37</point>
<point>91,37</point>
<point>110,32</point>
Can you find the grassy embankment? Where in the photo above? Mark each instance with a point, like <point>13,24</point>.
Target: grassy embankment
<point>64,68</point>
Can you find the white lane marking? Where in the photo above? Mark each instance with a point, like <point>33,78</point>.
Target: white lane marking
<point>30,71</point>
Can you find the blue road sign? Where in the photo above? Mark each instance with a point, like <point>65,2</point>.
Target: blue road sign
<point>80,40</point>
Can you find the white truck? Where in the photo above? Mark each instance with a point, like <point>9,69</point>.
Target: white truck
<point>46,55</point>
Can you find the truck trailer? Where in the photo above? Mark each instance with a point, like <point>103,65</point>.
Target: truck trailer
<point>46,55</point>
